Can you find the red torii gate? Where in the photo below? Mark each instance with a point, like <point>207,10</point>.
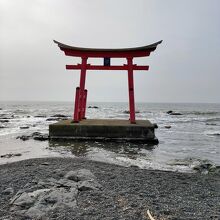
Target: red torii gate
<point>85,53</point>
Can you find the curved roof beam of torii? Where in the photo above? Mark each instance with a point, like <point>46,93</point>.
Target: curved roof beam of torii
<point>98,52</point>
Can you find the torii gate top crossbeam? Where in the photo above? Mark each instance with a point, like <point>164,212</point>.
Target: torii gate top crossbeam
<point>114,53</point>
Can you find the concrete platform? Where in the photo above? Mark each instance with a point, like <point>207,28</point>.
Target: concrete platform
<point>104,129</point>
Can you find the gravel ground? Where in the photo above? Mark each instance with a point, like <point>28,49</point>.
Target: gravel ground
<point>127,192</point>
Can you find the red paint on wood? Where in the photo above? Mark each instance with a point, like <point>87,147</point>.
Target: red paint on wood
<point>99,67</point>
<point>76,108</point>
<point>131,90</point>
<point>82,86</point>
<point>84,104</point>
<point>76,53</point>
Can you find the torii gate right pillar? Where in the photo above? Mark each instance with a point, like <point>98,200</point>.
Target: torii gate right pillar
<point>131,90</point>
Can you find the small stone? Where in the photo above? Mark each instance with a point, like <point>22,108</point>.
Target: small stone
<point>8,191</point>
<point>80,175</point>
<point>89,185</point>
<point>45,164</point>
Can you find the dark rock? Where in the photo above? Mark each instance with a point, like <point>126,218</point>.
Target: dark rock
<point>36,136</point>
<point>155,125</point>
<point>2,127</point>
<point>169,112</point>
<point>40,116</point>
<point>10,155</point>
<point>212,124</point>
<point>167,126</point>
<point>0,108</point>
<point>174,113</point>
<point>24,137</point>
<point>56,119</point>
<point>40,137</point>
<point>93,107</point>
<point>59,116</point>
<point>24,127</point>
<point>128,112</point>
<point>4,120</point>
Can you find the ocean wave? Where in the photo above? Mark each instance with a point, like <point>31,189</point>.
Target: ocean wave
<point>213,133</point>
<point>203,113</point>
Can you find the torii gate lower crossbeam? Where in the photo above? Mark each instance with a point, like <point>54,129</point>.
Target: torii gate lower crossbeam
<point>85,53</point>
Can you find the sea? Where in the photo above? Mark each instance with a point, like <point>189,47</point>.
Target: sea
<point>185,141</point>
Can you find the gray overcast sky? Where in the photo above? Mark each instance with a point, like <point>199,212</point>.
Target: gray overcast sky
<point>184,68</point>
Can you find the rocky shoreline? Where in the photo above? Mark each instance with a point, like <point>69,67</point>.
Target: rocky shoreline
<point>65,188</point>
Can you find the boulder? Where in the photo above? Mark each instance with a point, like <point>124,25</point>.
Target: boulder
<point>51,195</point>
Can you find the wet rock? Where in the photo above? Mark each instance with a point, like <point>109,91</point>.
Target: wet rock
<point>40,116</point>
<point>173,113</point>
<point>11,155</point>
<point>59,116</point>
<point>204,167</point>
<point>56,119</point>
<point>93,107</point>
<point>24,127</point>
<point>169,112</point>
<point>128,112</point>
<point>1,109</point>
<point>40,137</point>
<point>4,120</point>
<point>36,136</point>
<point>212,124</point>
<point>167,126</point>
<point>24,137</point>
<point>8,191</point>
<point>155,125</point>
<point>1,127</point>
